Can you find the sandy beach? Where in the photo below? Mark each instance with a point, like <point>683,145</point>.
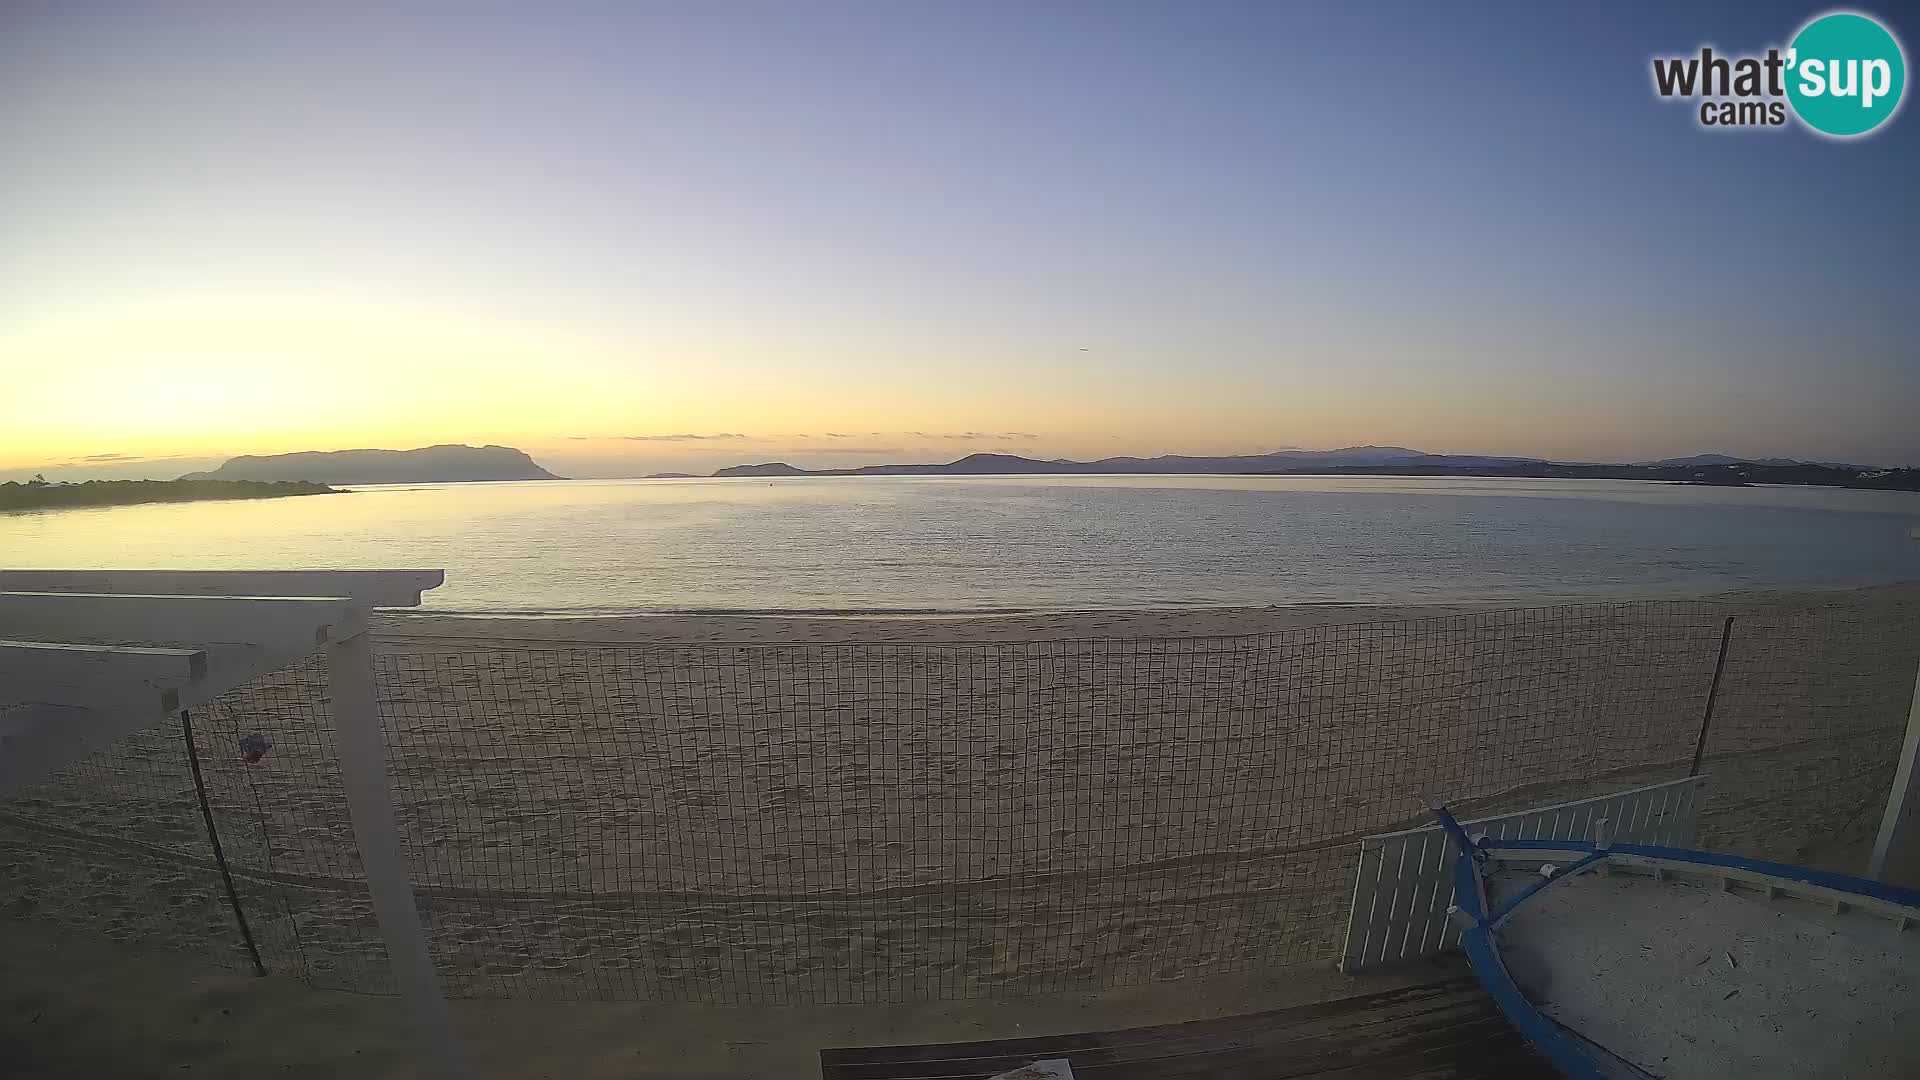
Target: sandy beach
<point>74,1006</point>
<point>740,810</point>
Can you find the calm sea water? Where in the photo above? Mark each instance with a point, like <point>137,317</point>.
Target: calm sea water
<point>938,544</point>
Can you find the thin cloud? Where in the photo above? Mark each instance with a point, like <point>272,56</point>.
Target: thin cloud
<point>682,437</point>
<point>838,435</point>
<point>687,437</point>
<point>96,460</point>
<point>979,436</point>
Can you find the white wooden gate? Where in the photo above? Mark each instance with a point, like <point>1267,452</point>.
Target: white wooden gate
<point>1404,883</point>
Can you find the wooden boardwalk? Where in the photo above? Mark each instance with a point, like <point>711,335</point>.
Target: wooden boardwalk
<point>1447,1029</point>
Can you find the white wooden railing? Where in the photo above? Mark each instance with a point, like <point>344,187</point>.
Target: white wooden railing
<point>89,656</point>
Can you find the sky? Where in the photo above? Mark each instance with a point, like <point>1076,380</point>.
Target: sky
<point>647,237</point>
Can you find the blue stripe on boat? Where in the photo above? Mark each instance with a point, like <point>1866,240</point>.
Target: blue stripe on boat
<point>1565,1049</point>
<point>1878,890</point>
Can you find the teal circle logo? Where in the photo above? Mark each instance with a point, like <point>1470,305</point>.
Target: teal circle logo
<point>1845,74</point>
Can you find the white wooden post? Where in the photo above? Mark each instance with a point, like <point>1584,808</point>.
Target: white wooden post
<point>363,772</point>
<point>1899,839</point>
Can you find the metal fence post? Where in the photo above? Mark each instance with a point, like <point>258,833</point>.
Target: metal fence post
<point>1713,695</point>
<point>213,840</point>
<point>363,773</point>
<point>1899,837</point>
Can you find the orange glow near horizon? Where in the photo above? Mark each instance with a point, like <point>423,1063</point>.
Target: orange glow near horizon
<point>213,375</point>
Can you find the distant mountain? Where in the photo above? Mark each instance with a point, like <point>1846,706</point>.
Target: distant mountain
<point>1389,461</point>
<point>1699,459</point>
<point>1740,474</point>
<point>771,468</point>
<point>427,465</point>
<point>1293,460</point>
<point>1723,459</point>
<point>1009,464</point>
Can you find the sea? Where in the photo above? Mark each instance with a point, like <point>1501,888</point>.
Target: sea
<point>940,545</point>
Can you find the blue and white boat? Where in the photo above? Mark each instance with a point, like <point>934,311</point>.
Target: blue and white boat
<point>1627,960</point>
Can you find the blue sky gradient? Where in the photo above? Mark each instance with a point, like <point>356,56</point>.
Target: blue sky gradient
<point>1122,228</point>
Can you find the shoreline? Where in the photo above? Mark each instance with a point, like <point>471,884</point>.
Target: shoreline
<point>117,494</point>
<point>1475,603</point>
<point>427,629</point>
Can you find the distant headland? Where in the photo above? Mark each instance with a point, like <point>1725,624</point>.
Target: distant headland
<point>272,476</point>
<point>427,465</point>
<point>37,494</point>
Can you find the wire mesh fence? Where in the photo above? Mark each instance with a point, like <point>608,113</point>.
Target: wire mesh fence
<point>885,822</point>
<point>115,844</point>
<point>1808,728</point>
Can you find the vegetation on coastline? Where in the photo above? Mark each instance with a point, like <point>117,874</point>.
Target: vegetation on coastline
<point>38,494</point>
<point>1745,474</point>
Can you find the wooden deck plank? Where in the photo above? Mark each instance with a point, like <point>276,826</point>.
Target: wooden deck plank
<point>1384,1004</point>
<point>1353,1036</point>
<point>1278,1055</point>
<point>1439,1030</point>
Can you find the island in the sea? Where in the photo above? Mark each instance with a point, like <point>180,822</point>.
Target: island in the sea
<point>427,465</point>
<point>38,494</point>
